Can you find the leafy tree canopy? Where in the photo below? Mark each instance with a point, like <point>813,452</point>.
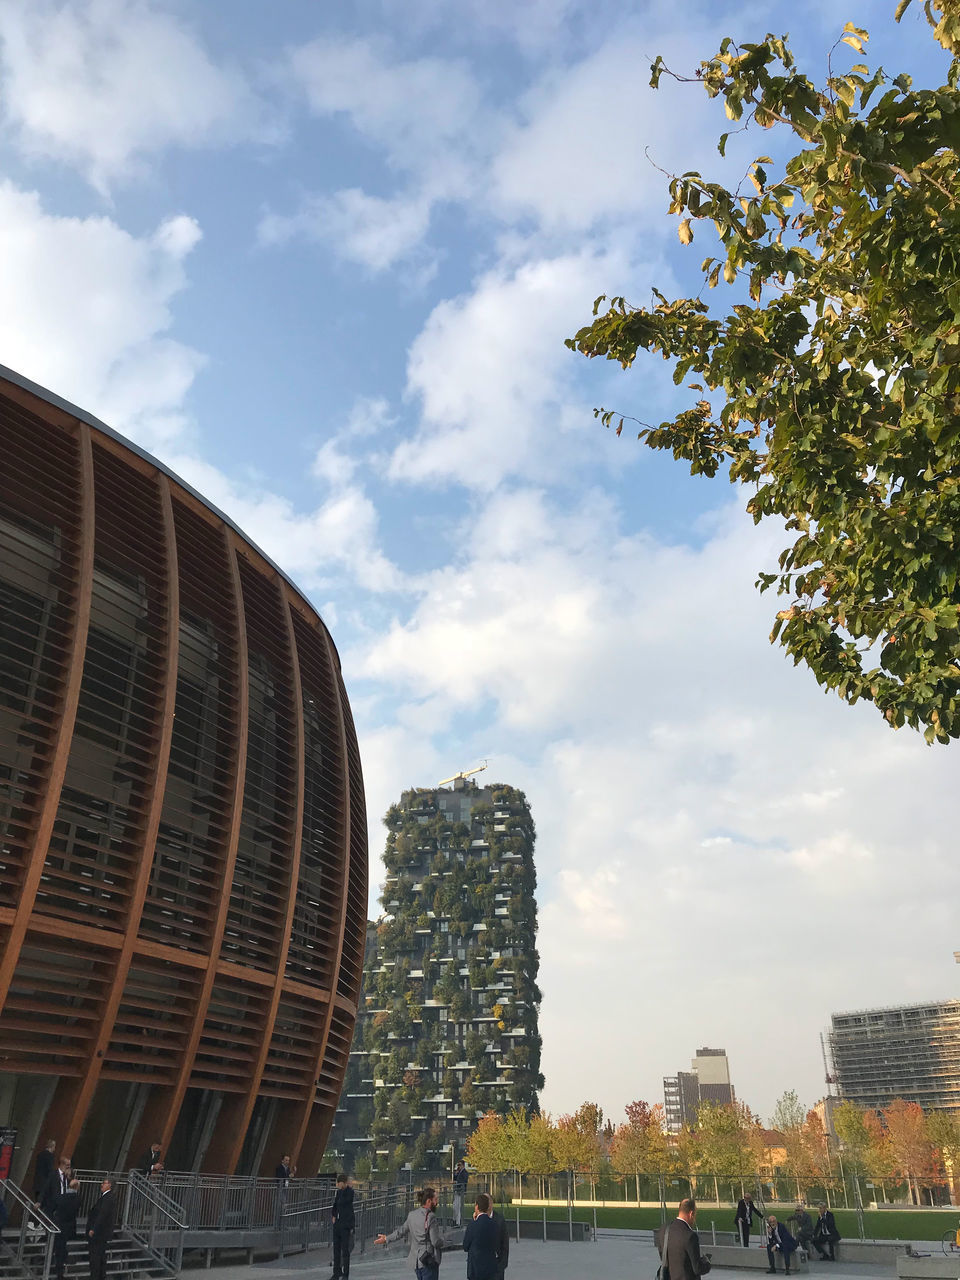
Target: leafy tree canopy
<point>831,388</point>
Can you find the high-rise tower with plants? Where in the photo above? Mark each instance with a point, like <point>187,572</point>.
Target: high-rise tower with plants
<point>449,1022</point>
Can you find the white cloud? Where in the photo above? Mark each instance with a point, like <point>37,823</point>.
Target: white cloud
<point>417,111</point>
<point>86,310</point>
<point>578,157</point>
<point>423,115</point>
<point>644,712</point>
<point>368,230</point>
<point>493,380</point>
<point>337,539</point>
<point>100,84</point>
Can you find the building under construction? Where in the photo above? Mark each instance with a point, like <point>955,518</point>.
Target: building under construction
<point>910,1052</point>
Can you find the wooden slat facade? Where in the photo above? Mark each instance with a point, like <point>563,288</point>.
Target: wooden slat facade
<point>182,831</point>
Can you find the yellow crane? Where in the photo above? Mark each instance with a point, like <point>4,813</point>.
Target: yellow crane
<point>461,777</point>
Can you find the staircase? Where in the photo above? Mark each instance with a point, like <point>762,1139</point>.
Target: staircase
<point>10,1268</point>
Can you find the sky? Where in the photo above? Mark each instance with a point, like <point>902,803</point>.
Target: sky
<point>321,260</point>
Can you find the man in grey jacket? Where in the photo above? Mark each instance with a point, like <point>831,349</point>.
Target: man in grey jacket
<point>422,1229</point>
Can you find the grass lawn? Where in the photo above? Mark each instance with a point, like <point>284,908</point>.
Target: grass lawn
<point>878,1224</point>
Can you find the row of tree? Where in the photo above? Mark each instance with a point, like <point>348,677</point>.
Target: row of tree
<point>729,1147</point>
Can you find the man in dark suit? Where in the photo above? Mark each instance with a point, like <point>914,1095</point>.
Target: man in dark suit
<point>44,1169</point>
<point>746,1212</point>
<point>101,1222</point>
<point>503,1242</point>
<point>480,1242</point>
<point>153,1157</point>
<point>779,1240</point>
<point>825,1234</point>
<point>65,1211</point>
<point>343,1224</point>
<point>679,1244</point>
<point>55,1186</point>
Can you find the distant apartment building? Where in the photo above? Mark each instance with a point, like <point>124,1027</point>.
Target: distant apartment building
<point>449,1017</point>
<point>708,1080</point>
<point>908,1051</point>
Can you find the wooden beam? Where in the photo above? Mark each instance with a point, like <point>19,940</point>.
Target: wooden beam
<point>67,711</point>
<point>296,845</point>
<point>151,823</point>
<point>344,887</point>
<point>232,843</point>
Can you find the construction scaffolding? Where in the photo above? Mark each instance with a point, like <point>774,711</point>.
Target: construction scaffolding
<point>907,1051</point>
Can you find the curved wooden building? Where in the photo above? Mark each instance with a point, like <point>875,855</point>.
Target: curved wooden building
<point>183,851</point>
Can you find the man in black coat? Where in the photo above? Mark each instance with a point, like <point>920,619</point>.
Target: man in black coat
<point>503,1242</point>
<point>746,1212</point>
<point>101,1222</point>
<point>825,1234</point>
<point>65,1210</point>
<point>679,1244</point>
<point>343,1224</point>
<point>44,1169</point>
<point>55,1186</point>
<point>153,1157</point>
<point>480,1242</point>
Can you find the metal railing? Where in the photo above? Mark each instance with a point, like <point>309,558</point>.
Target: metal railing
<point>377,1211</point>
<point>155,1221</point>
<point>36,1232</point>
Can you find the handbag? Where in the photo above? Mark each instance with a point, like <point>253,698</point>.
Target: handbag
<point>427,1256</point>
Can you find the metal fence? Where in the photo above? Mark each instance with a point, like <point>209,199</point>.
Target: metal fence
<point>155,1221</point>
<point>378,1211</point>
<point>34,1232</point>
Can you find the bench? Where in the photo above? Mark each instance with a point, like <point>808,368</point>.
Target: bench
<point>754,1258</point>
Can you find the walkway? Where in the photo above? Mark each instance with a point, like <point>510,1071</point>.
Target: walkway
<point>615,1256</point>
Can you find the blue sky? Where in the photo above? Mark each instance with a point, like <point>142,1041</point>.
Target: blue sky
<point>321,259</point>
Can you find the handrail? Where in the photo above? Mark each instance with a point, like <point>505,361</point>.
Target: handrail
<point>165,1203</point>
<point>30,1205</point>
<point>27,1250</point>
<point>155,1225</point>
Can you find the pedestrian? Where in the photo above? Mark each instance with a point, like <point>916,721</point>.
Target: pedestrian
<point>343,1224</point>
<point>826,1235</point>
<point>44,1169</point>
<point>101,1221</point>
<point>283,1173</point>
<point>746,1212</point>
<point>153,1157</point>
<point>803,1227</point>
<point>55,1186</point>
<point>65,1210</point>
<point>779,1240</point>
<point>679,1245</point>
<point>460,1179</point>
<point>421,1228</point>
<point>503,1242</point>
<point>480,1242</point>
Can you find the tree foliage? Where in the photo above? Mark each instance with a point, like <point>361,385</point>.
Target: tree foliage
<point>831,386</point>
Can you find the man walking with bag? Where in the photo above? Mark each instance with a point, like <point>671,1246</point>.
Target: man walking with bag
<point>422,1229</point>
<point>679,1246</point>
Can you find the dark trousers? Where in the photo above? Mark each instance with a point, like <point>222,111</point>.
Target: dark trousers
<point>743,1232</point>
<point>824,1246</point>
<point>772,1259</point>
<point>60,1244</point>
<point>341,1250</point>
<point>97,1251</point>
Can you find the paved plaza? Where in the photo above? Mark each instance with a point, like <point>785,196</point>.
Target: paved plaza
<point>616,1255</point>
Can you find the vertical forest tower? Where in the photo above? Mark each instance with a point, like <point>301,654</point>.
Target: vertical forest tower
<point>448,1027</point>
